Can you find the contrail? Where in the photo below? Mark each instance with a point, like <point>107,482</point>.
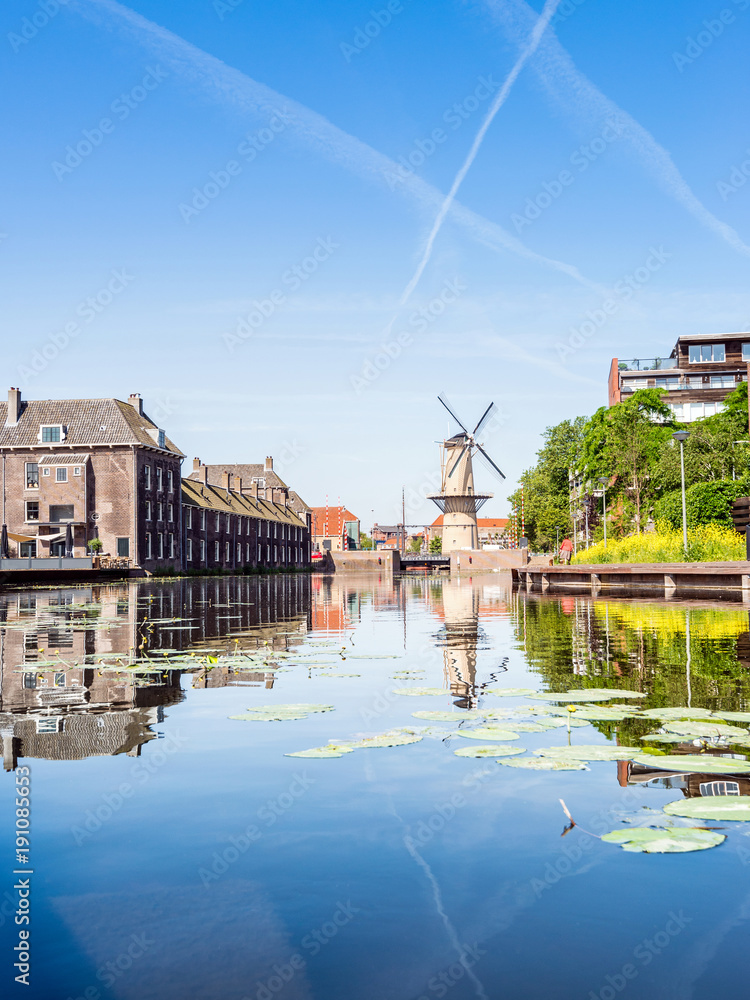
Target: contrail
<point>227,85</point>
<point>580,98</point>
<point>536,36</point>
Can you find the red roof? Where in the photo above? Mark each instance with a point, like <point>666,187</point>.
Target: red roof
<point>482,522</point>
<point>328,522</point>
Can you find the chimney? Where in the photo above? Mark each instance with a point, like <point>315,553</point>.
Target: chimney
<point>196,464</point>
<point>269,463</point>
<point>14,407</point>
<point>226,479</point>
<point>136,402</point>
<point>237,484</point>
<point>254,489</point>
<point>203,474</point>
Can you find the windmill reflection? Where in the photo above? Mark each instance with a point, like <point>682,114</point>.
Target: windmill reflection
<point>459,638</point>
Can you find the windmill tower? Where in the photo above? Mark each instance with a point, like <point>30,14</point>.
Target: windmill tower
<point>457,499</point>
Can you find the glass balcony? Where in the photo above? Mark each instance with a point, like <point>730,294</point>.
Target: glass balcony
<point>646,364</point>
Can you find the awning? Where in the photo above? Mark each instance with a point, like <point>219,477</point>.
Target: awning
<point>21,538</point>
<point>51,538</point>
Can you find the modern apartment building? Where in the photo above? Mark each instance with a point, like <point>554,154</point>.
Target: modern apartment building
<point>701,370</point>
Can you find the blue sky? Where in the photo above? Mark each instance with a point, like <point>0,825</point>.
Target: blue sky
<point>192,166</point>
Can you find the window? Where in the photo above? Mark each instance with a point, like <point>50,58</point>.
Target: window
<point>722,382</point>
<point>53,724</point>
<point>189,550</point>
<point>702,353</point>
<point>46,472</point>
<point>27,549</point>
<point>61,474</point>
<point>147,476</point>
<point>158,477</point>
<point>218,522</point>
<point>746,352</point>
<point>631,384</point>
<point>216,551</point>
<point>160,537</point>
<point>229,523</point>
<point>239,552</point>
<point>170,512</point>
<point>51,434</point>
<point>76,470</point>
<point>60,680</point>
<point>203,519</point>
<point>259,553</point>
<point>203,550</point>
<point>248,557</point>
<point>32,476</point>
<point>162,439</point>
<point>720,788</point>
<point>32,510</point>
<point>171,545</point>
<point>170,480</point>
<point>123,548</point>
<point>275,554</point>
<point>227,555</point>
<point>29,680</point>
<point>62,512</point>
<point>695,382</point>
<point>159,511</point>
<point>667,383</point>
<point>188,517</point>
<point>148,510</point>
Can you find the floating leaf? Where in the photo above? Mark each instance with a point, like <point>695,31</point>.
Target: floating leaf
<point>717,807</point>
<point>487,733</point>
<point>269,716</point>
<point>545,764</point>
<point>489,751</point>
<point>604,713</point>
<point>665,738</point>
<point>593,752</point>
<point>678,712</point>
<point>670,840</point>
<point>457,716</point>
<point>734,716</point>
<point>689,763</point>
<point>704,729</point>
<point>589,694</point>
<point>510,692</point>
<point>392,739</point>
<point>332,750</point>
<point>334,674</point>
<point>421,691</point>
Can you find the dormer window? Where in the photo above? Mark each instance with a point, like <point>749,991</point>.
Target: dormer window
<point>51,434</point>
<point>162,439</point>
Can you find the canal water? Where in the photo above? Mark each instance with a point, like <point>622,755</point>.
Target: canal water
<point>176,852</point>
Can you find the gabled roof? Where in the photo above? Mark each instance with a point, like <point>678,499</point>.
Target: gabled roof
<point>87,422</point>
<point>328,522</point>
<point>219,500</point>
<point>482,522</point>
<point>246,471</point>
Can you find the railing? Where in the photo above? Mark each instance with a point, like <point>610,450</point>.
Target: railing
<point>51,562</point>
<point>646,364</point>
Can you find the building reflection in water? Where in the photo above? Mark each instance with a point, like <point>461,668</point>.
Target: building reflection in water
<point>58,700</point>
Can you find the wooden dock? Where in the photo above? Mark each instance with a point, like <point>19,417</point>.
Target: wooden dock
<point>655,578</point>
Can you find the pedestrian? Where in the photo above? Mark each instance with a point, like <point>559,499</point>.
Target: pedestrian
<point>566,551</point>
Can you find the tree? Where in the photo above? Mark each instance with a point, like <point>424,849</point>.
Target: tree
<point>546,495</point>
<point>365,542</point>
<point>436,545</point>
<point>625,442</point>
<point>415,545</point>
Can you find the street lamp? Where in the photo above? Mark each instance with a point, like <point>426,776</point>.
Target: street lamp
<point>682,437</point>
<point>604,480</point>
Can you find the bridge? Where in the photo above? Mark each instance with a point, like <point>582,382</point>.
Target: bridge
<point>427,560</point>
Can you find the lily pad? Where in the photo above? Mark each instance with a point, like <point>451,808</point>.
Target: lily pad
<point>703,729</point>
<point>458,716</point>
<point>487,733</point>
<point>510,692</point>
<point>332,750</point>
<point>489,751</point>
<point>665,738</point>
<point>588,694</point>
<point>394,739</point>
<point>677,712</point>
<point>670,840</point>
<point>545,764</point>
<point>332,673</point>
<point>718,807</point>
<point>600,751</point>
<point>698,763</point>
<point>734,716</point>
<point>415,692</point>
<point>604,713</point>
<point>269,716</point>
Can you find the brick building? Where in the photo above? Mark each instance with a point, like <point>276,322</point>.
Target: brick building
<point>492,531</point>
<point>701,370</point>
<point>231,526</point>
<point>334,529</point>
<point>75,470</point>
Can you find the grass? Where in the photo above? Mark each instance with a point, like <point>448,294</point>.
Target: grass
<point>708,543</point>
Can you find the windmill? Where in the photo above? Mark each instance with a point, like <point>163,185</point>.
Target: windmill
<point>457,499</point>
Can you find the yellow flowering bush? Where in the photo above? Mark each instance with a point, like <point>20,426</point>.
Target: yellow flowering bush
<point>707,543</point>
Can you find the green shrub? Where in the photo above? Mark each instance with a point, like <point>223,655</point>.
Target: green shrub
<point>706,503</point>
